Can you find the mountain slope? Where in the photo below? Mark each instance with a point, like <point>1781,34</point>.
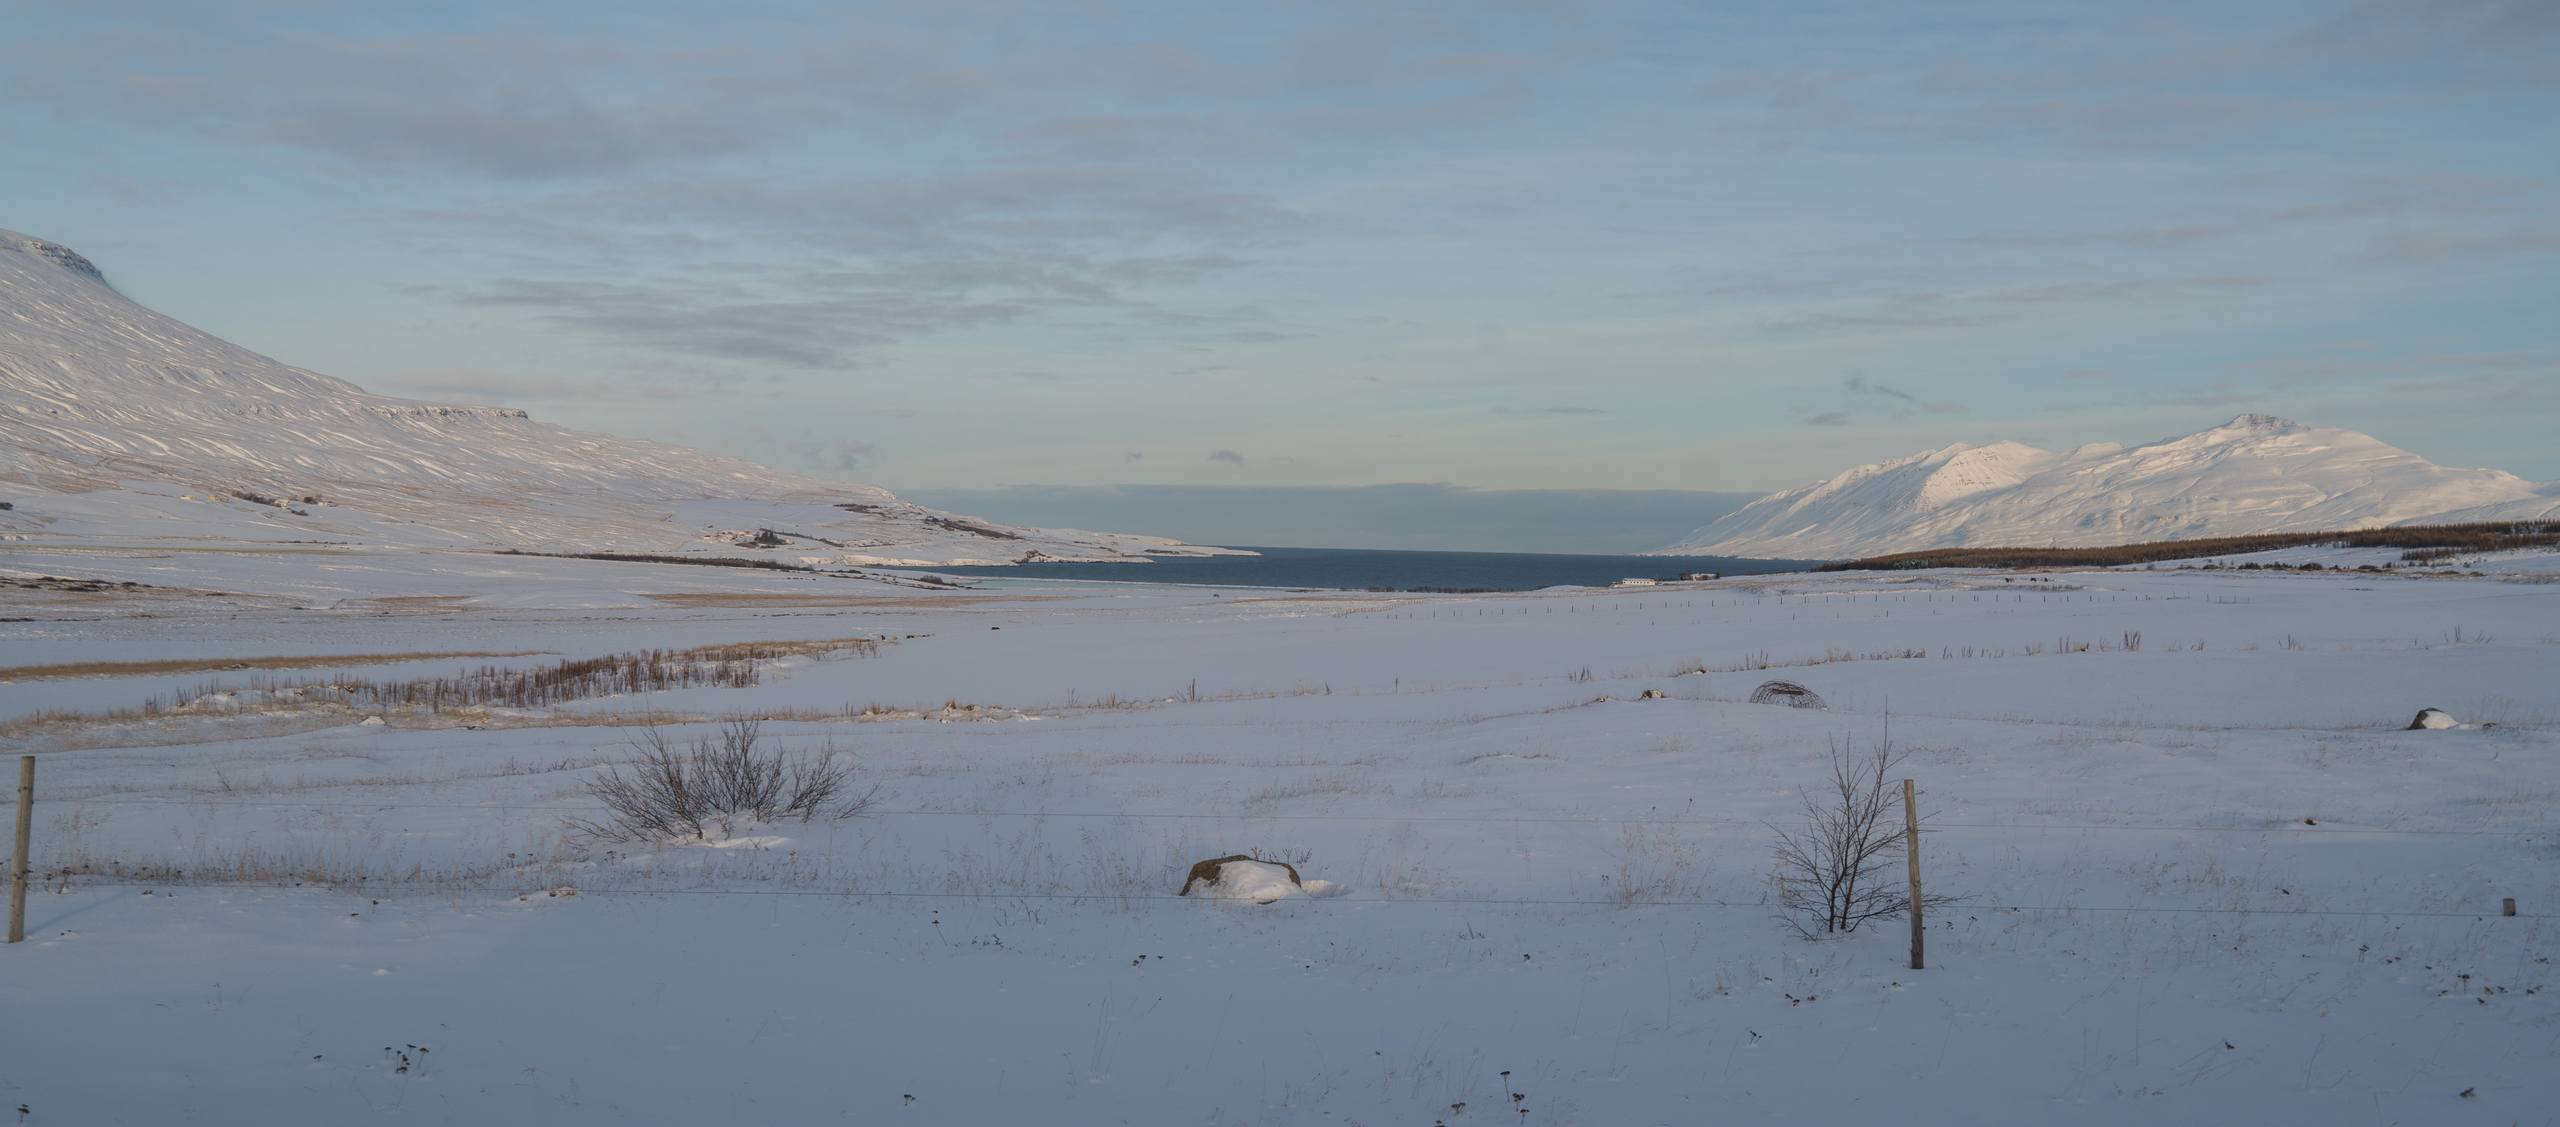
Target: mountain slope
<point>2253,474</point>
<point>120,425</point>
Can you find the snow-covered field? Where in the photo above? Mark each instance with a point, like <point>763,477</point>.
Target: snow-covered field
<point>2204,878</point>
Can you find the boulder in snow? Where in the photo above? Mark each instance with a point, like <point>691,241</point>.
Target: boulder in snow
<point>2432,719</point>
<point>1241,877</point>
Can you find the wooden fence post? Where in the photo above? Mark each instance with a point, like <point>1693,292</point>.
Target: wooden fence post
<point>1911,849</point>
<point>18,863</point>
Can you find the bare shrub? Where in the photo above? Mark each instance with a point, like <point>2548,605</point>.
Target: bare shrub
<point>720,780</point>
<point>1835,873</point>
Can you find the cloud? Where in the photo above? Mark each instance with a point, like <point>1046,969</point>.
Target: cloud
<point>1134,456</point>
<point>1947,309</point>
<point>1863,395</point>
<point>1858,385</point>
<point>2424,247</point>
<point>1228,456</point>
<point>836,455</point>
<point>2396,207</point>
<point>1896,402</point>
<point>1029,376</point>
<point>528,104</point>
<point>829,275</point>
<point>477,386</point>
<point>1565,410</point>
<point>1108,207</point>
<point>819,329</point>
<point>508,106</point>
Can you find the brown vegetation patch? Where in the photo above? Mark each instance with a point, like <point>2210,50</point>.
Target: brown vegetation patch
<point>224,664</point>
<point>2460,538</point>
<point>73,586</point>
<point>467,693</point>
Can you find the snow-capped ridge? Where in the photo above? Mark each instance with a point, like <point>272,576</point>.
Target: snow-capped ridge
<point>2256,473</point>
<point>119,423</point>
<point>68,258</point>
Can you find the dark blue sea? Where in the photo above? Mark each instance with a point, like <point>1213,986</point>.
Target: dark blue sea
<point>1374,569</point>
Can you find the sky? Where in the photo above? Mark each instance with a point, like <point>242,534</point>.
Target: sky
<point>964,248</point>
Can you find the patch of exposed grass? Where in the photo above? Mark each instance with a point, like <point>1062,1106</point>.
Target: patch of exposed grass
<point>2454,539</point>
<point>468,695</point>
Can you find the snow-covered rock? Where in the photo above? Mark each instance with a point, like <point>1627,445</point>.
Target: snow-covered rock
<point>1243,878</point>
<point>2433,720</point>
<point>2256,473</point>
<point>120,425</point>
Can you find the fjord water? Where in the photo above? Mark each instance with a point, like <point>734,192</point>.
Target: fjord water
<point>1363,568</point>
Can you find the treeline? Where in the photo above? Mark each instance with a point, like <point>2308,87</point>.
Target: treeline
<point>2419,543</point>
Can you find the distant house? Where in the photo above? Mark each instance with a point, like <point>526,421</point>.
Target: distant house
<point>1633,583</point>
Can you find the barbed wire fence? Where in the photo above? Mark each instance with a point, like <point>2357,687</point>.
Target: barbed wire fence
<point>91,877</point>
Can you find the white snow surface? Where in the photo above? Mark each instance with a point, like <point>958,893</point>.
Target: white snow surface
<point>2254,474</point>
<point>122,426</point>
<point>2205,876</point>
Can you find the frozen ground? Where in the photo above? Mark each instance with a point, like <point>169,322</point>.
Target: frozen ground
<point>2205,879</point>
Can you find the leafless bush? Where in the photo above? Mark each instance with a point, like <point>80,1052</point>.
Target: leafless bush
<point>717,782</point>
<point>1835,872</point>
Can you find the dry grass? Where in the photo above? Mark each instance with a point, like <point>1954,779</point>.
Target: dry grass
<point>468,695</point>
<point>353,868</point>
<point>734,665</point>
<point>1832,655</point>
<point>227,664</point>
<point>1654,865</point>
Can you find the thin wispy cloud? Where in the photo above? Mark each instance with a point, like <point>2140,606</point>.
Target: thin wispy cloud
<point>1618,244</point>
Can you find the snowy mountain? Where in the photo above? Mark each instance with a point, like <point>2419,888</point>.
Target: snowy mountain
<point>121,426</point>
<point>2256,473</point>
